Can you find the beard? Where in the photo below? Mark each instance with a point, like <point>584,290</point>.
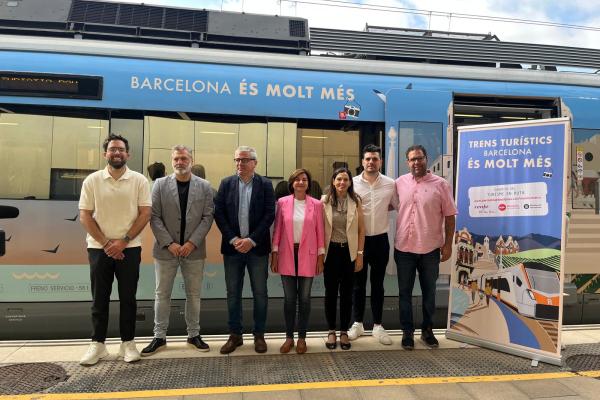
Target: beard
<point>117,164</point>
<point>182,171</point>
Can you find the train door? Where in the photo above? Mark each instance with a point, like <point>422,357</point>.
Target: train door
<point>416,117</point>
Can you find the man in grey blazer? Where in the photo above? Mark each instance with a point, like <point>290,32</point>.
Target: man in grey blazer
<point>182,213</point>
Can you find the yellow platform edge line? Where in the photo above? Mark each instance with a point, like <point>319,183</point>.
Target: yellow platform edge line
<point>298,386</point>
<point>590,374</point>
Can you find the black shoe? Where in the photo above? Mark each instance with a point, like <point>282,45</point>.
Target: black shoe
<point>331,345</point>
<point>408,340</point>
<point>345,345</point>
<point>155,345</point>
<point>198,343</point>
<point>428,338</point>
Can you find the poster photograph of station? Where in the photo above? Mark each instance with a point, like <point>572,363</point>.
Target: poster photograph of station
<point>507,278</point>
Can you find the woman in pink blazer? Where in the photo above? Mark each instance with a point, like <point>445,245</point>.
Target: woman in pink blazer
<point>298,252</point>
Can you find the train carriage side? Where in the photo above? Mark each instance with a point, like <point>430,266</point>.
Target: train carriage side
<point>298,111</point>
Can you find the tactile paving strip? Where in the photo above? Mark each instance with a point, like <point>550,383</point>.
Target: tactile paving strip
<point>149,374</point>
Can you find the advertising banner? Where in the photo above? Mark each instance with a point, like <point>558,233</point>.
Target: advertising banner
<point>507,281</point>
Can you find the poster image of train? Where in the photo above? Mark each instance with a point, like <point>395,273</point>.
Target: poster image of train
<point>506,277</point>
<point>504,292</point>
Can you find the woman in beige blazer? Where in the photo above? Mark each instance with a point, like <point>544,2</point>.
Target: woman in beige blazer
<point>344,244</point>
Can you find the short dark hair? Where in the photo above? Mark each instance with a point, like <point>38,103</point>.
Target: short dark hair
<point>416,147</point>
<point>371,148</point>
<point>295,175</point>
<point>114,136</point>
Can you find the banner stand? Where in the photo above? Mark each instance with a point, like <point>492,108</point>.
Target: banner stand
<point>506,286</point>
<point>534,356</point>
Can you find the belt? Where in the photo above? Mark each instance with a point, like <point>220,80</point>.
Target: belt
<point>338,245</point>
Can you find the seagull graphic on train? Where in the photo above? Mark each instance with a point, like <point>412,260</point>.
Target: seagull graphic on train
<point>54,250</point>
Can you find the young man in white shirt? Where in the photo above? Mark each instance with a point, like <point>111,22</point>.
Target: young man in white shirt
<point>114,208</point>
<point>378,196</point>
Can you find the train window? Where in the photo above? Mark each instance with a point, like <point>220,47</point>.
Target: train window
<point>281,149</point>
<point>427,134</point>
<point>46,157</point>
<point>519,282</point>
<point>544,281</point>
<point>503,285</point>
<point>213,144</point>
<point>322,150</point>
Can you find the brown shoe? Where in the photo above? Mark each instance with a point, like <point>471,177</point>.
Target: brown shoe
<point>232,343</point>
<point>286,346</point>
<point>301,346</point>
<point>260,346</point>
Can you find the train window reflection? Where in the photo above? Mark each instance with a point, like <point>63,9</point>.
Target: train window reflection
<point>47,157</point>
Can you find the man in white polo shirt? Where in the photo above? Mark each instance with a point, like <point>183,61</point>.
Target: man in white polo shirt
<point>378,195</point>
<point>114,208</point>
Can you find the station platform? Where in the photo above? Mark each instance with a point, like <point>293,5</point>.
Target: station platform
<point>50,370</point>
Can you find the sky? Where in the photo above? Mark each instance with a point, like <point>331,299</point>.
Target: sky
<point>444,15</point>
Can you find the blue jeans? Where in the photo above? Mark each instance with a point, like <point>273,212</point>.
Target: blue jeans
<point>296,290</point>
<point>428,265</point>
<point>258,269</point>
<point>165,271</point>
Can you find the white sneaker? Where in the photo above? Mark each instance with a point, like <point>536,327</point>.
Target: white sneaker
<point>380,334</point>
<point>129,352</point>
<point>94,353</point>
<point>356,330</point>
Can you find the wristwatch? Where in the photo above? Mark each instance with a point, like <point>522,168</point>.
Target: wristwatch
<point>127,238</point>
<point>361,252</point>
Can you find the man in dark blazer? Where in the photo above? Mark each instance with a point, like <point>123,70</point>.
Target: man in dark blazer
<point>244,212</point>
<point>182,213</point>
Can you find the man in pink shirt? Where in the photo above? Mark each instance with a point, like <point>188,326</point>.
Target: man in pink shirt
<point>424,232</point>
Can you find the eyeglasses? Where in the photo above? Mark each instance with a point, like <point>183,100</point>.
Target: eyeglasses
<point>116,150</point>
<point>416,159</point>
<point>243,160</point>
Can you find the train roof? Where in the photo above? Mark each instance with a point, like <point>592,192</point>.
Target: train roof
<point>287,61</point>
<point>118,29</point>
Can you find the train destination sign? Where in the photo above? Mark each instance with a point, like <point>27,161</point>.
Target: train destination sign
<point>50,85</point>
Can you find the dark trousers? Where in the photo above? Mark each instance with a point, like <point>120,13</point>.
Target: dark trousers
<point>258,270</point>
<point>428,265</point>
<point>296,291</point>
<point>103,270</point>
<point>377,255</point>
<point>339,277</point>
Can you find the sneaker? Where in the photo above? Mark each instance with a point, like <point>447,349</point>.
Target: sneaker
<point>96,352</point>
<point>380,334</point>
<point>155,345</point>
<point>129,352</point>
<point>356,330</point>
<point>408,340</point>
<point>197,343</point>
<point>428,338</point>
